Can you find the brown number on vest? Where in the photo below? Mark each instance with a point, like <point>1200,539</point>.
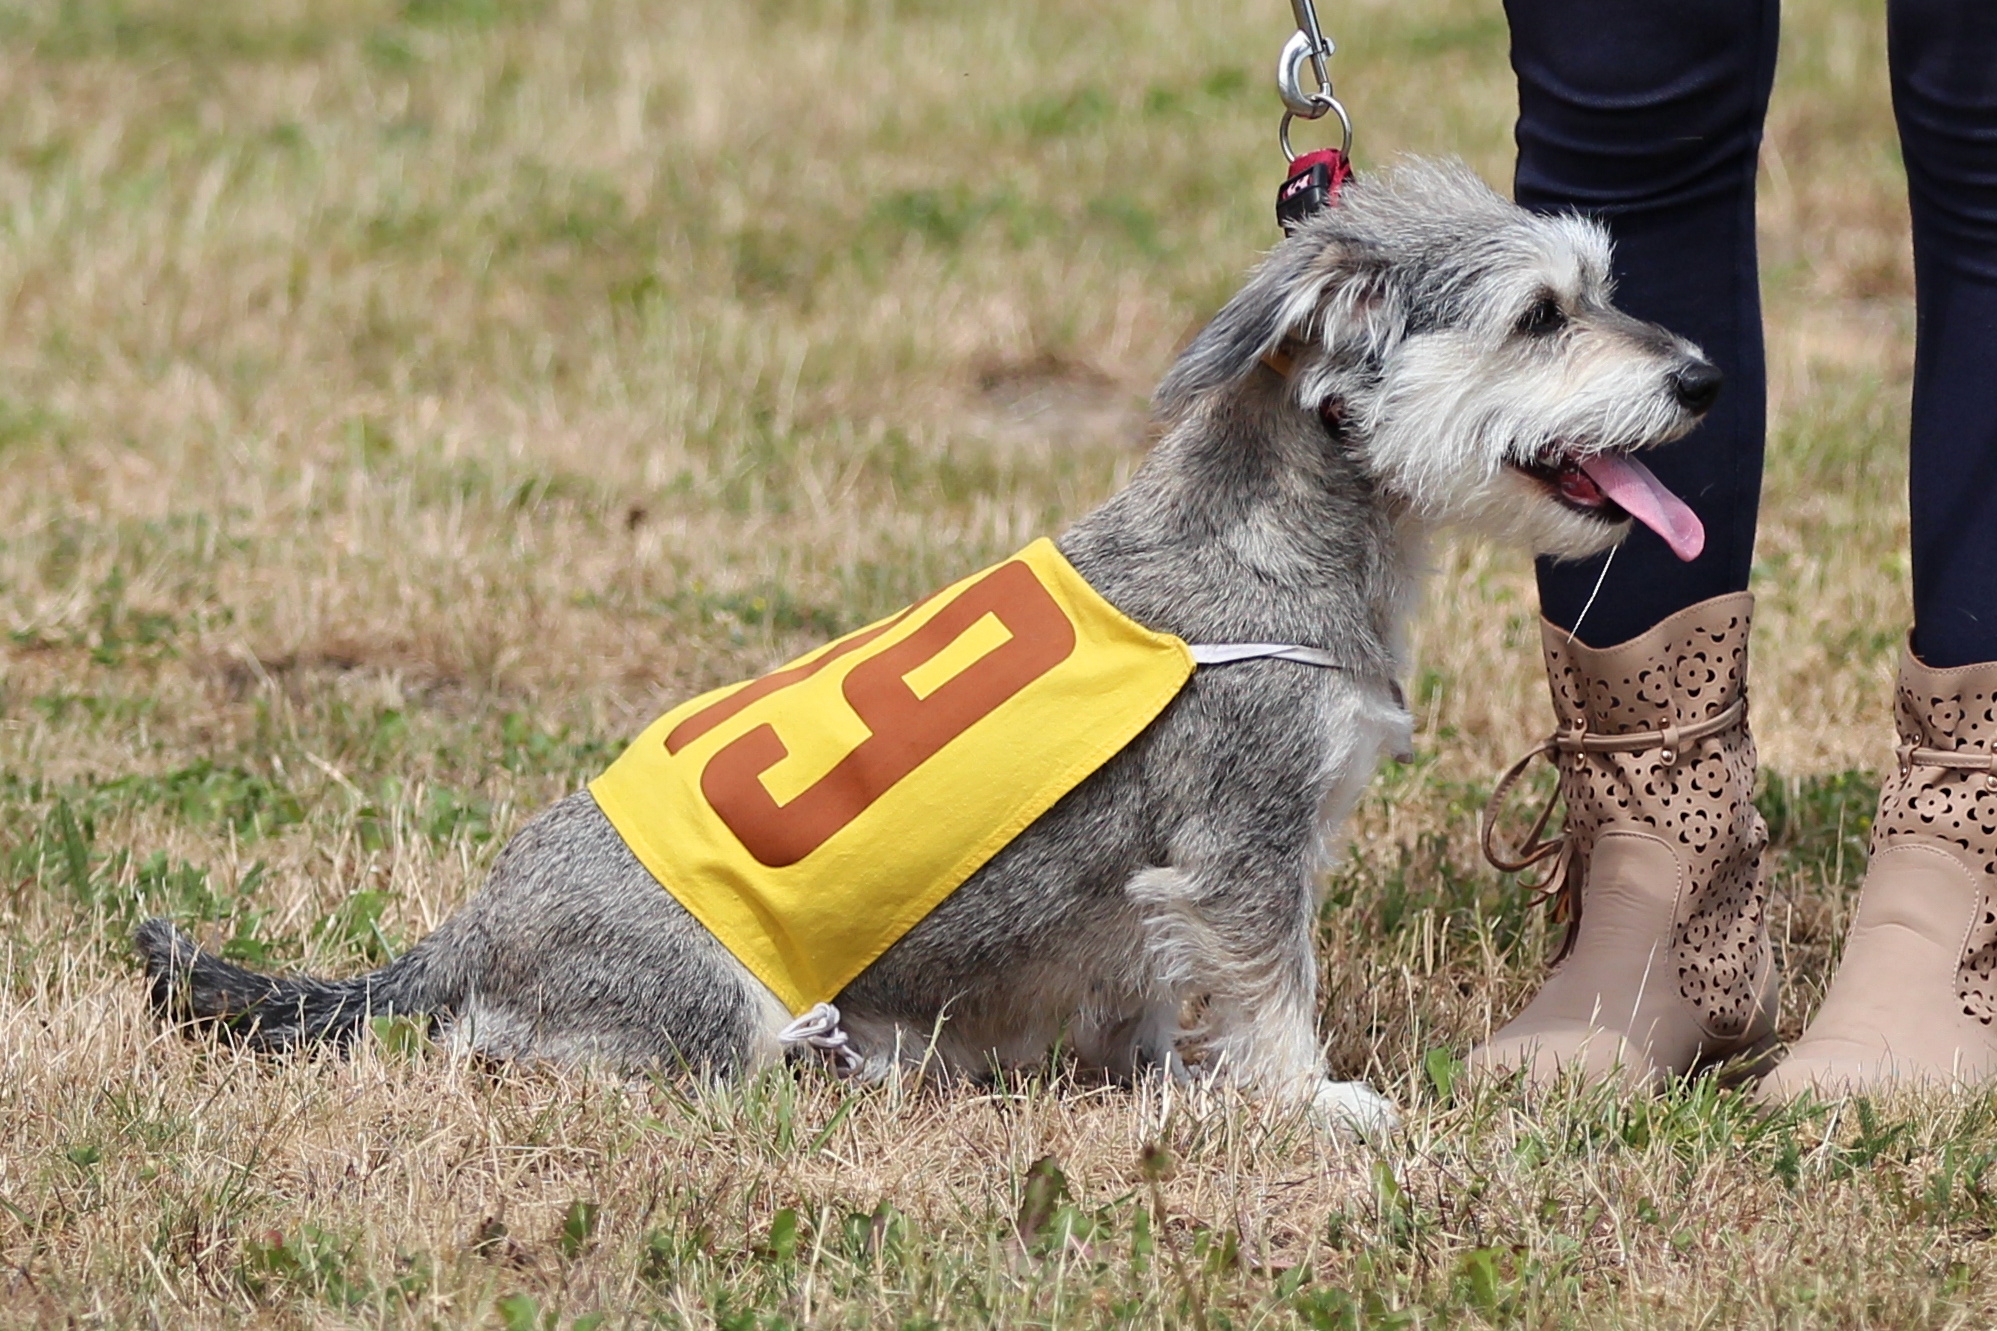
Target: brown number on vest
<point>707,718</point>
<point>906,730</point>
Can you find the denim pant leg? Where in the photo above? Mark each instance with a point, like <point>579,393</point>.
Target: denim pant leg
<point>1944,64</point>
<point>1647,114</point>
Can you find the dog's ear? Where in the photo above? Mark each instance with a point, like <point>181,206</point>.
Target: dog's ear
<point>1310,287</point>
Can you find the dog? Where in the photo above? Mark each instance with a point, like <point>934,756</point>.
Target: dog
<point>1422,354</point>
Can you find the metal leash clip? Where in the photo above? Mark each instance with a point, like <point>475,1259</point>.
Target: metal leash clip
<point>1315,178</point>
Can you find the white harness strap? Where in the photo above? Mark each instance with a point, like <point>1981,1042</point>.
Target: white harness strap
<point>1222,653</point>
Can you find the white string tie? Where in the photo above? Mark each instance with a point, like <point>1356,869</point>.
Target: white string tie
<point>1222,653</point>
<point>819,1029</point>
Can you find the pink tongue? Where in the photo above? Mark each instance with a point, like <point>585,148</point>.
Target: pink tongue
<point>1630,484</point>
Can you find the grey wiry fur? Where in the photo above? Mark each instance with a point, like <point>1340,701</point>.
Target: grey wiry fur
<point>1274,510</point>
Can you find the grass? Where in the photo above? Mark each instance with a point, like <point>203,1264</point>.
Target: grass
<point>400,403</point>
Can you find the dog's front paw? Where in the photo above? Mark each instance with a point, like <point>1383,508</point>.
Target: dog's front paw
<point>1354,1109</point>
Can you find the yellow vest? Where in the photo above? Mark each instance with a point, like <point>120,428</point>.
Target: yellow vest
<point>811,817</point>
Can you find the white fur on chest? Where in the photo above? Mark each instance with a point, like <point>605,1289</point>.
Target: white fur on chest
<point>1362,722</point>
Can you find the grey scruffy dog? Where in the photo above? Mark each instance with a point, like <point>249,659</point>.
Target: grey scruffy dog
<point>1424,353</point>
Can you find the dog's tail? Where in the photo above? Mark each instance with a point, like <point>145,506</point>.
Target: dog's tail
<point>273,1012</point>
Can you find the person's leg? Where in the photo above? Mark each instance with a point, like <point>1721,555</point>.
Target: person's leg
<point>1647,115</point>
<point>1915,995</point>
<point>1945,94</point>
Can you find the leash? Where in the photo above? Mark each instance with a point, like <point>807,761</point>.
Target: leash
<point>1315,178</point>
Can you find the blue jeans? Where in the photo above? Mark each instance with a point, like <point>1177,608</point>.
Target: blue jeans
<point>1647,114</point>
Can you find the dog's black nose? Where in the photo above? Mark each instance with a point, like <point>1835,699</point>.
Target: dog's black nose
<point>1698,386</point>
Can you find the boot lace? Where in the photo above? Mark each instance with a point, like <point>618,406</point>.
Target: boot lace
<point>1955,760</point>
<point>1559,886</point>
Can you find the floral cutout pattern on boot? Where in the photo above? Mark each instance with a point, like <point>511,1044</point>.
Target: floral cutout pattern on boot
<point>1666,967</point>
<point>1912,1001</point>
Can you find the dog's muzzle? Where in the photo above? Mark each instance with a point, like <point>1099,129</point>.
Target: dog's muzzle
<point>1614,487</point>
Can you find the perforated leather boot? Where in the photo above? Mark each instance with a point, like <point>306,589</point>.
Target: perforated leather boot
<point>1666,966</point>
<point>1913,998</point>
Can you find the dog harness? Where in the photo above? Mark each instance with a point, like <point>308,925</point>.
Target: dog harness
<point>813,816</point>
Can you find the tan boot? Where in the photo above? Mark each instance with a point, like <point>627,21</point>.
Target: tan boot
<point>1913,999</point>
<point>1666,967</point>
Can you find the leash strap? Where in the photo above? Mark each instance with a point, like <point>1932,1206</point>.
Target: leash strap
<point>1315,178</point>
<point>1313,185</point>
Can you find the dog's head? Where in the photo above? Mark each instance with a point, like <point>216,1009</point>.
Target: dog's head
<point>1469,352</point>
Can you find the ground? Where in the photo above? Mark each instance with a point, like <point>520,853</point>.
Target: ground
<point>400,404</point>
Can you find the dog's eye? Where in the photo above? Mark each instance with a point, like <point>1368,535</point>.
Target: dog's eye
<point>1544,317</point>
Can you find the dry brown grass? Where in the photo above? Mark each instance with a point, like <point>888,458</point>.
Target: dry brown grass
<point>401,402</point>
